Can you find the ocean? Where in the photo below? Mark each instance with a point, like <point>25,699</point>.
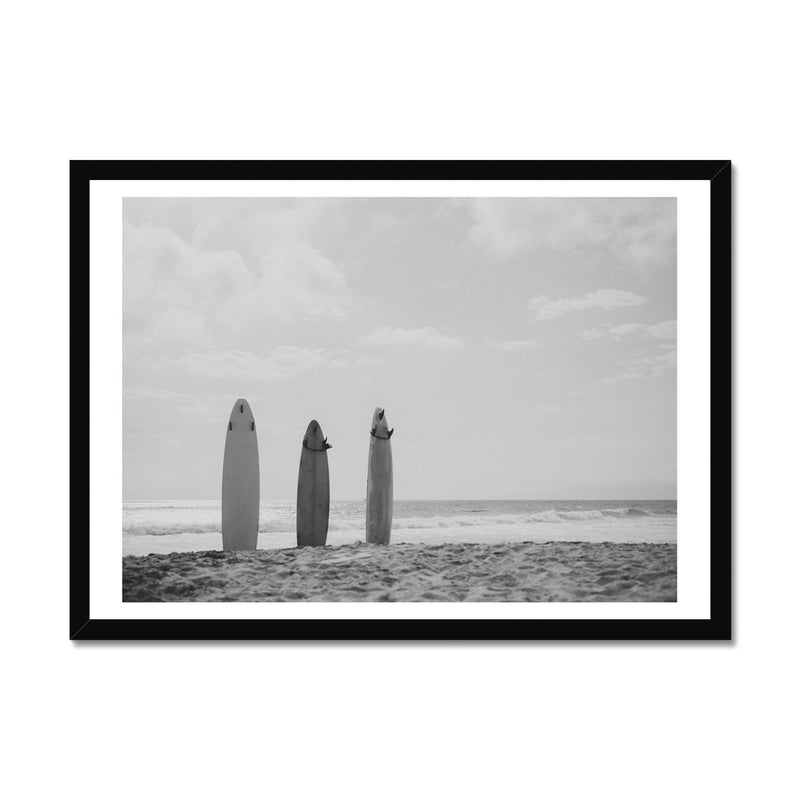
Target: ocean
<point>193,525</point>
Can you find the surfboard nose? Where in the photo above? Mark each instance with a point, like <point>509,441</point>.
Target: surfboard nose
<point>241,412</point>
<point>380,425</point>
<point>314,438</point>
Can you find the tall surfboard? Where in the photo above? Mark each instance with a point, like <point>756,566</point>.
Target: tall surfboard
<point>313,489</point>
<point>240,482</point>
<point>379,480</point>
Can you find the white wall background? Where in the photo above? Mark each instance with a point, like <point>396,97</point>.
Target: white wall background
<point>412,80</point>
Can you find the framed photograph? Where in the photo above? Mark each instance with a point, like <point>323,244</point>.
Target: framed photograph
<point>400,400</point>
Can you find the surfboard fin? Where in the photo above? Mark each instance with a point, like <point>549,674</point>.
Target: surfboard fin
<point>230,426</point>
<point>241,408</point>
<point>325,446</point>
<point>390,433</point>
<point>380,416</point>
<point>252,426</point>
<point>372,432</point>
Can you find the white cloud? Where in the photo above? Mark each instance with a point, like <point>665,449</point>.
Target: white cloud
<point>638,233</point>
<point>669,359</point>
<point>519,344</point>
<point>660,330</point>
<point>643,366</point>
<point>648,366</point>
<point>620,331</point>
<point>215,293</point>
<point>296,279</point>
<point>664,330</point>
<point>281,364</point>
<point>602,299</point>
<point>410,338</point>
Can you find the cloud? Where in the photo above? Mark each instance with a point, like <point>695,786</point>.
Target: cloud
<point>282,363</point>
<point>602,299</point>
<point>620,331</point>
<point>206,293</point>
<point>647,366</point>
<point>410,338</point>
<point>638,233</point>
<point>661,330</point>
<point>643,366</point>
<point>519,344</point>
<point>664,330</point>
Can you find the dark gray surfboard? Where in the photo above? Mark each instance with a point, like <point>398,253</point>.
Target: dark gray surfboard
<point>313,489</point>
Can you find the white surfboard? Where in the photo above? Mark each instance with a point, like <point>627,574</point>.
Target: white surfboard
<point>240,481</point>
<point>379,480</point>
<point>313,489</point>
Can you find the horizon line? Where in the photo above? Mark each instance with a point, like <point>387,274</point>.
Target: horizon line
<point>426,499</point>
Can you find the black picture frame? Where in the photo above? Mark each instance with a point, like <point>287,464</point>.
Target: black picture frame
<point>717,627</point>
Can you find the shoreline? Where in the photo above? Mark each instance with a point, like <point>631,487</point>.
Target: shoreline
<point>556,571</point>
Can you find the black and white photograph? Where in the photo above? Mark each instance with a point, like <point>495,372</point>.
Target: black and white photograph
<point>400,399</point>
<point>403,400</point>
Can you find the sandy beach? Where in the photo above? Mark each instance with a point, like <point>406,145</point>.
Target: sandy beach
<point>516,572</point>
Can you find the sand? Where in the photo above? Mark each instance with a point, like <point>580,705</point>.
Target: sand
<point>514,572</point>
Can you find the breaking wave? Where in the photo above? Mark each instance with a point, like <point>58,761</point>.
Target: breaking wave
<point>552,515</point>
<point>471,519</point>
<point>173,529</point>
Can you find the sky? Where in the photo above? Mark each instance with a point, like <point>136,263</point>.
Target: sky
<point>523,348</point>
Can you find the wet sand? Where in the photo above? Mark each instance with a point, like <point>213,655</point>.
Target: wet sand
<point>512,572</point>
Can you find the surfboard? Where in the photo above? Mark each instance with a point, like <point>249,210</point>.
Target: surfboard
<point>240,481</point>
<point>379,480</point>
<point>313,489</point>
